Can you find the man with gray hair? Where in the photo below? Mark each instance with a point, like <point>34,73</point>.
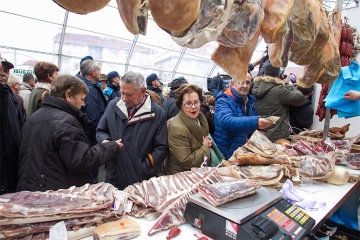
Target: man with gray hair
<point>141,124</point>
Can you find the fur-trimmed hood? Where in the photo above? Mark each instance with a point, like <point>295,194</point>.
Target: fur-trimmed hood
<point>269,79</point>
<point>263,84</point>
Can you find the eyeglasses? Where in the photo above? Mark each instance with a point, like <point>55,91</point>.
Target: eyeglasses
<point>190,104</point>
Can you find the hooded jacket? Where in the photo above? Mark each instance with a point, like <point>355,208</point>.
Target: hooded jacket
<point>145,132</point>
<point>54,149</point>
<point>233,123</point>
<point>273,98</point>
<point>185,143</point>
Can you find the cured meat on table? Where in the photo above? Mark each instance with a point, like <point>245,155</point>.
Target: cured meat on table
<point>220,193</point>
<point>169,194</point>
<point>32,214</point>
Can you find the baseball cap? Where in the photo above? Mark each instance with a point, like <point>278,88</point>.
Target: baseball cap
<point>6,63</point>
<point>86,58</point>
<point>151,77</point>
<point>112,74</point>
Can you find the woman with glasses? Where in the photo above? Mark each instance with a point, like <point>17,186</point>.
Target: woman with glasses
<point>187,132</point>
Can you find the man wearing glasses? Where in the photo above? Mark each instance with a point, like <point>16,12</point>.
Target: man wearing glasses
<point>236,117</point>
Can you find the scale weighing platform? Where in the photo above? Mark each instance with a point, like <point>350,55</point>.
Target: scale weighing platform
<point>263,215</point>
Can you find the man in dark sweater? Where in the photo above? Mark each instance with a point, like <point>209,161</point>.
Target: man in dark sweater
<point>169,104</point>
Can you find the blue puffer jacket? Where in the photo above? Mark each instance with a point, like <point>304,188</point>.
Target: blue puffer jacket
<point>233,125</point>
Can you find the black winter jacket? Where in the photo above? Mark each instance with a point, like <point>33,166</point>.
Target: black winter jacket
<point>54,149</point>
<point>169,105</point>
<point>10,126</point>
<point>144,133</point>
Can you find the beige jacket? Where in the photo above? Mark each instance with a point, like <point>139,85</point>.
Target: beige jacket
<point>185,138</point>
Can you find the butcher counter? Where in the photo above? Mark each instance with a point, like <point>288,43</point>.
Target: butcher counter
<point>333,195</point>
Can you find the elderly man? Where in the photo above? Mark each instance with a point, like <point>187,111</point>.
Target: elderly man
<point>141,124</point>
<point>10,126</point>
<point>236,117</point>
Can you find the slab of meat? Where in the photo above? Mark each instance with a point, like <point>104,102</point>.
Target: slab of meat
<point>235,60</point>
<point>169,194</point>
<point>175,16</point>
<point>134,14</point>
<point>243,23</point>
<point>220,193</point>
<point>321,39</point>
<point>264,175</point>
<point>208,25</point>
<point>260,144</point>
<point>314,167</point>
<point>13,231</point>
<point>275,16</point>
<point>37,205</point>
<point>280,49</point>
<point>305,16</point>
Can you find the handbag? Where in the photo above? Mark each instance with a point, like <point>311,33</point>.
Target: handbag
<point>216,156</point>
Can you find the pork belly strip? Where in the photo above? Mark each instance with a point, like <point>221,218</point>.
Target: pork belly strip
<point>221,193</point>
<point>105,213</point>
<point>7,231</point>
<point>27,204</point>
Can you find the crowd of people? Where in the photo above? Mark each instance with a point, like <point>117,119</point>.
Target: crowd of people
<point>58,132</point>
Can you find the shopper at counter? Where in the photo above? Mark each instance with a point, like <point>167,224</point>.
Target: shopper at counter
<point>45,73</point>
<point>54,148</point>
<point>236,117</point>
<point>188,132</point>
<point>273,97</point>
<point>141,124</point>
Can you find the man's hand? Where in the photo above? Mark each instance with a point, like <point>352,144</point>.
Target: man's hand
<point>352,95</point>
<point>263,123</point>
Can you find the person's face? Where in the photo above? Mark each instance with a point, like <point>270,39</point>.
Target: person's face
<point>191,105</point>
<point>242,88</point>
<point>16,88</point>
<point>131,95</point>
<point>32,83</point>
<point>103,84</point>
<point>4,74</point>
<point>78,100</point>
<point>156,83</point>
<point>53,76</point>
<point>96,74</point>
<point>116,81</point>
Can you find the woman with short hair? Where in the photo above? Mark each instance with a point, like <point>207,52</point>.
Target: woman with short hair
<point>187,132</point>
<point>45,73</point>
<point>54,148</point>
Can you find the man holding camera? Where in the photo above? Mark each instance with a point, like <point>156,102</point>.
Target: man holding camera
<point>273,97</point>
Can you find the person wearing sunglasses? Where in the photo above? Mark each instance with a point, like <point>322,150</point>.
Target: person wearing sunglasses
<point>187,132</point>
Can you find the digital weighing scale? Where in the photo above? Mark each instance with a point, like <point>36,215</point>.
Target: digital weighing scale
<point>263,215</point>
